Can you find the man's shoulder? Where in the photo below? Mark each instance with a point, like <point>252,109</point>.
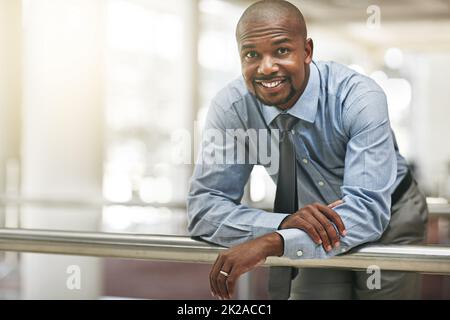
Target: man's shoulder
<point>344,82</point>
<point>235,92</point>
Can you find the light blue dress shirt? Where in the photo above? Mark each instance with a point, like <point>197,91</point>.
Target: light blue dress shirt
<point>345,150</point>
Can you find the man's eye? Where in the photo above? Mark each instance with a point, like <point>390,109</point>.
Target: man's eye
<point>282,50</point>
<point>251,54</point>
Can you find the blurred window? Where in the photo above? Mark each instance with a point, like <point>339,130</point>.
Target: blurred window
<point>146,100</point>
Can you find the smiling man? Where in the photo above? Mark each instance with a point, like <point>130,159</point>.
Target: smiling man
<point>341,180</point>
<point>280,77</point>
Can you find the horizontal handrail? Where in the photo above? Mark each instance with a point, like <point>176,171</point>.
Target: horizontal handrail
<point>425,259</point>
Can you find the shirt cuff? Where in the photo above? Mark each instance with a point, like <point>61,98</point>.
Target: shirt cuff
<point>298,245</point>
<point>267,222</point>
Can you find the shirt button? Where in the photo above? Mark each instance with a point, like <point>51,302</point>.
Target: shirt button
<point>293,131</point>
<point>305,161</point>
<point>321,183</point>
<point>299,253</point>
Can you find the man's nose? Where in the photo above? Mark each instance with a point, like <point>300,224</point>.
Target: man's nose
<point>267,66</point>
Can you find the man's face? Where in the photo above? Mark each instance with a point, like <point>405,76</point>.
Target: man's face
<point>275,61</point>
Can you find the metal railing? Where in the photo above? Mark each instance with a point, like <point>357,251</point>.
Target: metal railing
<point>425,259</point>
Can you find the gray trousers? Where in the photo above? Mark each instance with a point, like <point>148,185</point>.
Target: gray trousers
<point>407,226</point>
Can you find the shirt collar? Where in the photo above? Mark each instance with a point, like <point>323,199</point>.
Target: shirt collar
<point>306,107</point>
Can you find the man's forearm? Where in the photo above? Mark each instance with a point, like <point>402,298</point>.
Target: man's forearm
<point>273,244</point>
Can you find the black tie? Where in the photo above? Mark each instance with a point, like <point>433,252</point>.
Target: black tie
<point>286,201</point>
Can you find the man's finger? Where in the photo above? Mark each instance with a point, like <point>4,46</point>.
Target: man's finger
<point>334,217</point>
<point>309,229</point>
<point>222,278</point>
<point>213,275</point>
<point>335,204</point>
<point>211,285</point>
<point>231,282</point>
<point>319,226</point>
<point>331,236</point>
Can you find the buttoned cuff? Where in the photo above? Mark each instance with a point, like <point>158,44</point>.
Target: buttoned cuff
<point>298,245</point>
<point>267,222</point>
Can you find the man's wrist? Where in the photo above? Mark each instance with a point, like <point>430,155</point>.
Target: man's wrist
<point>280,227</point>
<point>273,244</point>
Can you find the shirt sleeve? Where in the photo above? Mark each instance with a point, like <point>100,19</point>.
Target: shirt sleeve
<point>369,175</point>
<point>215,212</point>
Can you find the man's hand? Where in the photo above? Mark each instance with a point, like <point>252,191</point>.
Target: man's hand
<point>232,263</point>
<point>316,220</point>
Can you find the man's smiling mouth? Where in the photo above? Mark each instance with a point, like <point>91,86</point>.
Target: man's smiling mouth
<point>273,83</point>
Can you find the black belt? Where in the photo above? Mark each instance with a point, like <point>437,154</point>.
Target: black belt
<point>402,187</point>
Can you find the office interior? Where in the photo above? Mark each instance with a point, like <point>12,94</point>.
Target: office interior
<point>102,103</point>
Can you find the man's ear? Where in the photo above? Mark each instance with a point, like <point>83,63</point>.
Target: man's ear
<point>309,49</point>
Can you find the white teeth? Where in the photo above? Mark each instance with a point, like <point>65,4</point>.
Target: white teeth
<point>271,84</point>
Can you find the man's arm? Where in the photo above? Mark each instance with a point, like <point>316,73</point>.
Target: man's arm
<point>369,175</point>
<point>214,209</point>
<point>244,257</point>
<point>215,212</point>
<point>370,172</point>
<point>216,189</point>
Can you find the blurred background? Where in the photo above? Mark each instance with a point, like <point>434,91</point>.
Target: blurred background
<point>101,102</point>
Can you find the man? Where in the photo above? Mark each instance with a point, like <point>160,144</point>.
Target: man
<point>338,162</point>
